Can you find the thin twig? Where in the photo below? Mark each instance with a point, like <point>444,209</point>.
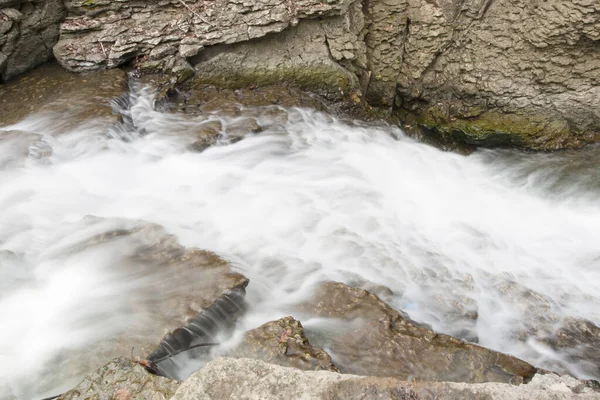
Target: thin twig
<point>103,49</point>
<point>195,13</point>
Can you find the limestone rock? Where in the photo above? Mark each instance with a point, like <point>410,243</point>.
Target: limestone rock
<point>227,378</point>
<point>502,72</point>
<point>298,56</point>
<point>384,342</point>
<point>28,31</point>
<point>122,379</point>
<point>104,34</point>
<point>283,342</point>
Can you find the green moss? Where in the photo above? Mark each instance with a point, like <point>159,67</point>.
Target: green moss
<point>328,82</point>
<point>495,128</point>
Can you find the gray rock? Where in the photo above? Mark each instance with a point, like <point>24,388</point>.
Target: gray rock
<point>252,379</point>
<point>502,72</point>
<point>28,32</point>
<point>484,72</point>
<point>298,56</point>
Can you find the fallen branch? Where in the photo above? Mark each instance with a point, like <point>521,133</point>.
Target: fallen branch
<point>200,17</point>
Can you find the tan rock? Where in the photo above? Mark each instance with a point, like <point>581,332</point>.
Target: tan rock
<point>122,379</point>
<point>283,342</point>
<point>384,342</point>
<point>50,88</point>
<point>227,378</point>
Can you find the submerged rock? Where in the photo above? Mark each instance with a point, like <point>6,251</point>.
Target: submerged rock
<point>283,342</point>
<point>227,378</point>
<point>385,342</point>
<point>86,97</point>
<point>122,379</point>
<point>171,298</point>
<point>578,340</point>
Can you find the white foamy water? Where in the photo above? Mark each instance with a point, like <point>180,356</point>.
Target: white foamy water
<point>513,237</point>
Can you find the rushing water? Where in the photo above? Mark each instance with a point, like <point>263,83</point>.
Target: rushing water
<point>512,236</point>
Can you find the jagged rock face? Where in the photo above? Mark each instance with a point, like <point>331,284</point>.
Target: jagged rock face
<point>384,342</point>
<point>122,379</point>
<point>283,342</point>
<point>485,72</point>
<point>227,378</point>
<point>28,32</point>
<point>504,72</point>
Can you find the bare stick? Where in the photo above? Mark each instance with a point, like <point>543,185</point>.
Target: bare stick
<point>103,49</point>
<point>195,13</point>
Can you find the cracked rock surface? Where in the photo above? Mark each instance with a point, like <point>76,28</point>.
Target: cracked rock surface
<point>28,32</point>
<point>484,72</point>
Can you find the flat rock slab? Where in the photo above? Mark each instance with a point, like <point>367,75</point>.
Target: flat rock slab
<point>227,378</point>
<point>52,89</point>
<point>384,342</point>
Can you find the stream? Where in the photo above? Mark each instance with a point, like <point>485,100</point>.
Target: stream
<point>498,246</point>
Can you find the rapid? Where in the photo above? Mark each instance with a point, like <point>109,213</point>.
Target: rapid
<point>510,236</point>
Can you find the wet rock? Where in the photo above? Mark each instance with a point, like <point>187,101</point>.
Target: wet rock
<point>227,378</point>
<point>206,135</point>
<point>52,89</point>
<point>240,127</point>
<point>384,342</point>
<point>283,342</point>
<point>578,340</point>
<point>18,145</point>
<point>28,31</point>
<point>122,379</point>
<point>179,297</point>
<point>197,97</point>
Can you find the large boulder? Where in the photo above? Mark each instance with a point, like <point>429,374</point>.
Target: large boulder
<point>227,378</point>
<point>381,341</point>
<point>28,32</point>
<point>283,342</point>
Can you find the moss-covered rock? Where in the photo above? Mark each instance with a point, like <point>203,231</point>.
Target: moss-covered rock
<point>496,128</point>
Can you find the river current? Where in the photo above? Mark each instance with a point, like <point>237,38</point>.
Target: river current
<point>509,237</point>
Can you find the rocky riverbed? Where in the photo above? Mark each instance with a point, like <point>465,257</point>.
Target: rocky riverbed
<point>166,225</point>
